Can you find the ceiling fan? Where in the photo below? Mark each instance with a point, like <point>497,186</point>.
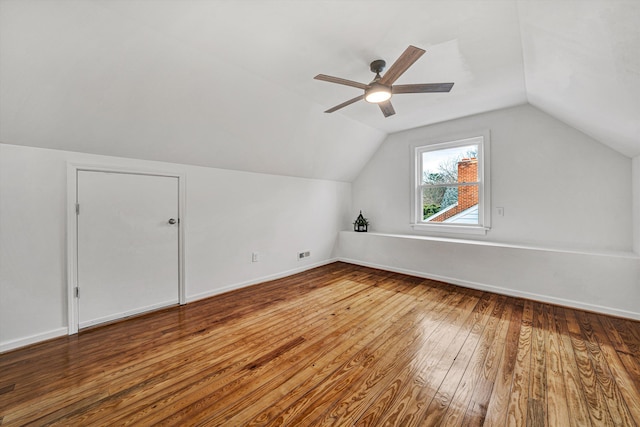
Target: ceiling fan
<point>380,90</point>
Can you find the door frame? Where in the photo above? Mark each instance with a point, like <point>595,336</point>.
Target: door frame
<point>72,229</point>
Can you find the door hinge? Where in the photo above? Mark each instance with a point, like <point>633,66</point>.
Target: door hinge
<point>77,292</point>
<point>77,208</point>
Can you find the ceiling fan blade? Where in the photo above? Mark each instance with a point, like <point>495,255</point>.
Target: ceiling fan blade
<point>387,108</point>
<point>422,88</point>
<point>344,104</point>
<point>340,81</point>
<point>406,60</point>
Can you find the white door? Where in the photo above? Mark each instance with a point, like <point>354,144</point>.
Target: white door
<point>127,244</point>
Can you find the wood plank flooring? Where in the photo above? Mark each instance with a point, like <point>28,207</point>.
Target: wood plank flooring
<point>336,345</point>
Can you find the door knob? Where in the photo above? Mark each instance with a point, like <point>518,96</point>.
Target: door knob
<point>172,221</point>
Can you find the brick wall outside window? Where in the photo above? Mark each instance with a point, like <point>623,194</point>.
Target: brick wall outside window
<point>467,194</point>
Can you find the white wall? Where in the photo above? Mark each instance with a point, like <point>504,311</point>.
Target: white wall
<point>636,203</point>
<point>559,188</point>
<point>229,214</point>
<point>567,233</point>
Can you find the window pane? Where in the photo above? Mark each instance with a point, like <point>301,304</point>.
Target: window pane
<point>451,204</point>
<point>450,165</point>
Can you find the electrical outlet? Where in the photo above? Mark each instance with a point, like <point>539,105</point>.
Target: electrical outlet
<point>254,257</point>
<point>302,255</point>
<point>500,211</point>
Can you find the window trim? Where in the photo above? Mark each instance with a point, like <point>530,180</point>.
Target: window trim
<point>482,138</point>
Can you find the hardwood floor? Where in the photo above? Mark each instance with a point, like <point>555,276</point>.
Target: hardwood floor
<point>337,345</point>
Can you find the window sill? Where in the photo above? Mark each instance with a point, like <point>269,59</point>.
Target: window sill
<point>451,229</point>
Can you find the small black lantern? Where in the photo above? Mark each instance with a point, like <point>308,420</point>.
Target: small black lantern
<point>361,224</point>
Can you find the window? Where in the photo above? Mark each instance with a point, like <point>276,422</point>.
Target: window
<point>451,186</point>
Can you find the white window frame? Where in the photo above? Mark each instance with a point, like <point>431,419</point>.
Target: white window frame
<point>482,139</point>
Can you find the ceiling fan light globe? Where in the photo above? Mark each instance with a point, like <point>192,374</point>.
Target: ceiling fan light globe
<point>376,95</point>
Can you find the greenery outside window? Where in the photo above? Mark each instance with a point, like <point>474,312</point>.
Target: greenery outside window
<point>451,185</point>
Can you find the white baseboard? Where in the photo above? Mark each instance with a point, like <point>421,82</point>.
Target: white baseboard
<point>22,342</point>
<point>33,339</point>
<point>122,315</point>
<point>203,295</point>
<point>502,291</point>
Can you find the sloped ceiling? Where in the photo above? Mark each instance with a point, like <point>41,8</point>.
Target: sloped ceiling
<point>582,65</point>
<point>230,84</point>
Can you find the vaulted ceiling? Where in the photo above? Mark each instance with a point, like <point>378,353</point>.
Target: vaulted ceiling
<point>230,84</point>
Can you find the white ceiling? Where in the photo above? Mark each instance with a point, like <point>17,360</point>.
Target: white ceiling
<point>230,83</point>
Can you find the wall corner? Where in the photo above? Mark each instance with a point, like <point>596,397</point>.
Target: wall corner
<point>635,203</point>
